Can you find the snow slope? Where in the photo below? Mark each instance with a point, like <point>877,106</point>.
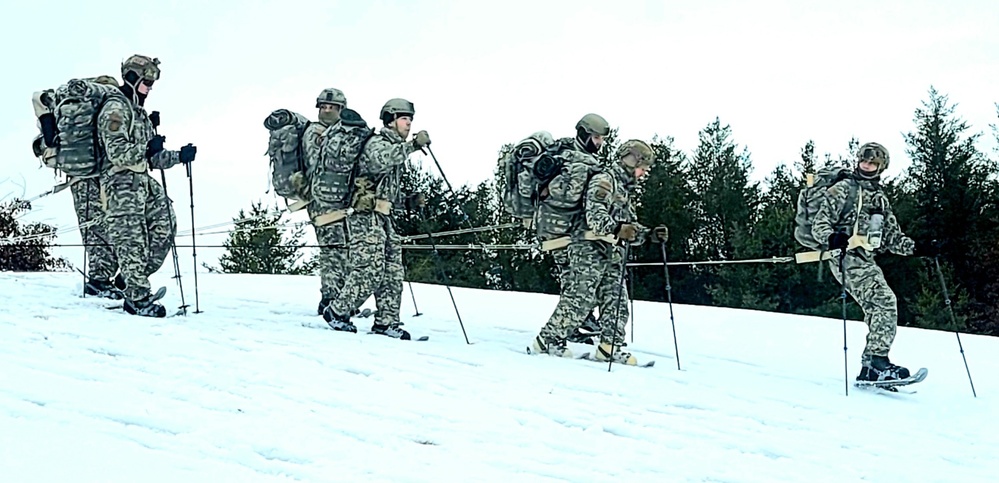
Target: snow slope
<point>256,389</point>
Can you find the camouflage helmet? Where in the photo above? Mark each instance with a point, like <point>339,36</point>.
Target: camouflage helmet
<point>396,107</point>
<point>644,156</point>
<point>593,124</point>
<point>332,96</point>
<point>141,67</point>
<point>874,153</point>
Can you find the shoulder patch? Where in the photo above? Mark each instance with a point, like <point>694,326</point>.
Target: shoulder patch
<point>114,121</point>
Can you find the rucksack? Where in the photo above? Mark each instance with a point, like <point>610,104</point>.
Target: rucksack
<point>76,106</point>
<point>810,200</point>
<point>284,148</point>
<point>527,170</point>
<point>333,182</point>
<point>560,209</point>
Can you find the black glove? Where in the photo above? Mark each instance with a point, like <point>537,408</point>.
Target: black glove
<point>187,153</point>
<point>659,234</point>
<point>415,202</point>
<point>49,129</point>
<point>154,146</point>
<point>926,248</point>
<point>154,117</point>
<point>626,231</point>
<point>838,240</point>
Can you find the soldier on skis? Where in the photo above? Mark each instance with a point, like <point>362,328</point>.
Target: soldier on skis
<point>856,220</point>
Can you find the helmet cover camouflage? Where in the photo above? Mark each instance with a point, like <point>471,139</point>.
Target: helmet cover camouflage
<point>398,107</point>
<point>331,96</point>
<point>594,124</point>
<point>644,156</point>
<point>874,153</point>
<point>144,67</point>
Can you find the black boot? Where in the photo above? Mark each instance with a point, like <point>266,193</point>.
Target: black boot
<point>119,281</point>
<point>881,369</point>
<point>144,307</point>
<point>322,305</point>
<point>337,321</point>
<point>586,333</point>
<point>102,288</point>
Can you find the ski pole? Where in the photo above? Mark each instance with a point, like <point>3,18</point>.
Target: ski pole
<point>953,319</point>
<point>617,305</point>
<point>194,245</point>
<point>669,300</point>
<point>449,187</point>
<point>173,247</point>
<point>440,268</point>
<point>413,294</point>
<point>842,296</point>
<point>154,119</point>
<point>631,301</point>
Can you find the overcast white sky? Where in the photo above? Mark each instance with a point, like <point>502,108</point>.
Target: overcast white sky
<point>485,73</point>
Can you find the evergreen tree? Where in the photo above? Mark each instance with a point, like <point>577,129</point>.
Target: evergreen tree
<point>725,208</point>
<point>953,190</point>
<point>259,244</point>
<point>31,252</point>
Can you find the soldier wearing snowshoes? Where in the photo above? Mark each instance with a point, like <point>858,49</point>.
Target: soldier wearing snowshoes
<point>856,221</point>
<point>330,234</point>
<point>102,264</point>
<point>141,222</point>
<point>595,257</point>
<point>375,253</point>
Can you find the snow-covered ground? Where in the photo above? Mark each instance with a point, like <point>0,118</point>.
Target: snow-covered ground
<point>255,388</point>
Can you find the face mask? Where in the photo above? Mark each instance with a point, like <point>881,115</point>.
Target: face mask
<point>329,117</point>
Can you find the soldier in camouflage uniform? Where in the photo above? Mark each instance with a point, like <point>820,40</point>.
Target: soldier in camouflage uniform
<point>86,192</point>
<point>591,130</point>
<point>101,260</point>
<point>594,273</point>
<point>141,222</point>
<point>375,253</point>
<point>857,229</point>
<point>331,236</point>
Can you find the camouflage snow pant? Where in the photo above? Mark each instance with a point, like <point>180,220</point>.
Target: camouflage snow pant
<point>141,225</point>
<point>100,254</point>
<point>866,284</point>
<point>333,266</point>
<point>375,261</point>
<point>591,278</point>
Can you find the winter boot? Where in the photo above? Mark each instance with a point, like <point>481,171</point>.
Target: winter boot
<point>881,369</point>
<point>337,321</point>
<point>620,355</point>
<point>394,331</point>
<point>102,288</point>
<point>322,305</point>
<point>552,347</point>
<point>144,307</point>
<point>585,333</point>
<point>119,281</point>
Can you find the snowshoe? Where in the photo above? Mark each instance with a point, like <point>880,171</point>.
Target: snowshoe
<point>103,289</point>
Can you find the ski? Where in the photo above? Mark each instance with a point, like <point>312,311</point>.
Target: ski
<point>893,385</point>
<point>589,357</point>
<point>421,338</point>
